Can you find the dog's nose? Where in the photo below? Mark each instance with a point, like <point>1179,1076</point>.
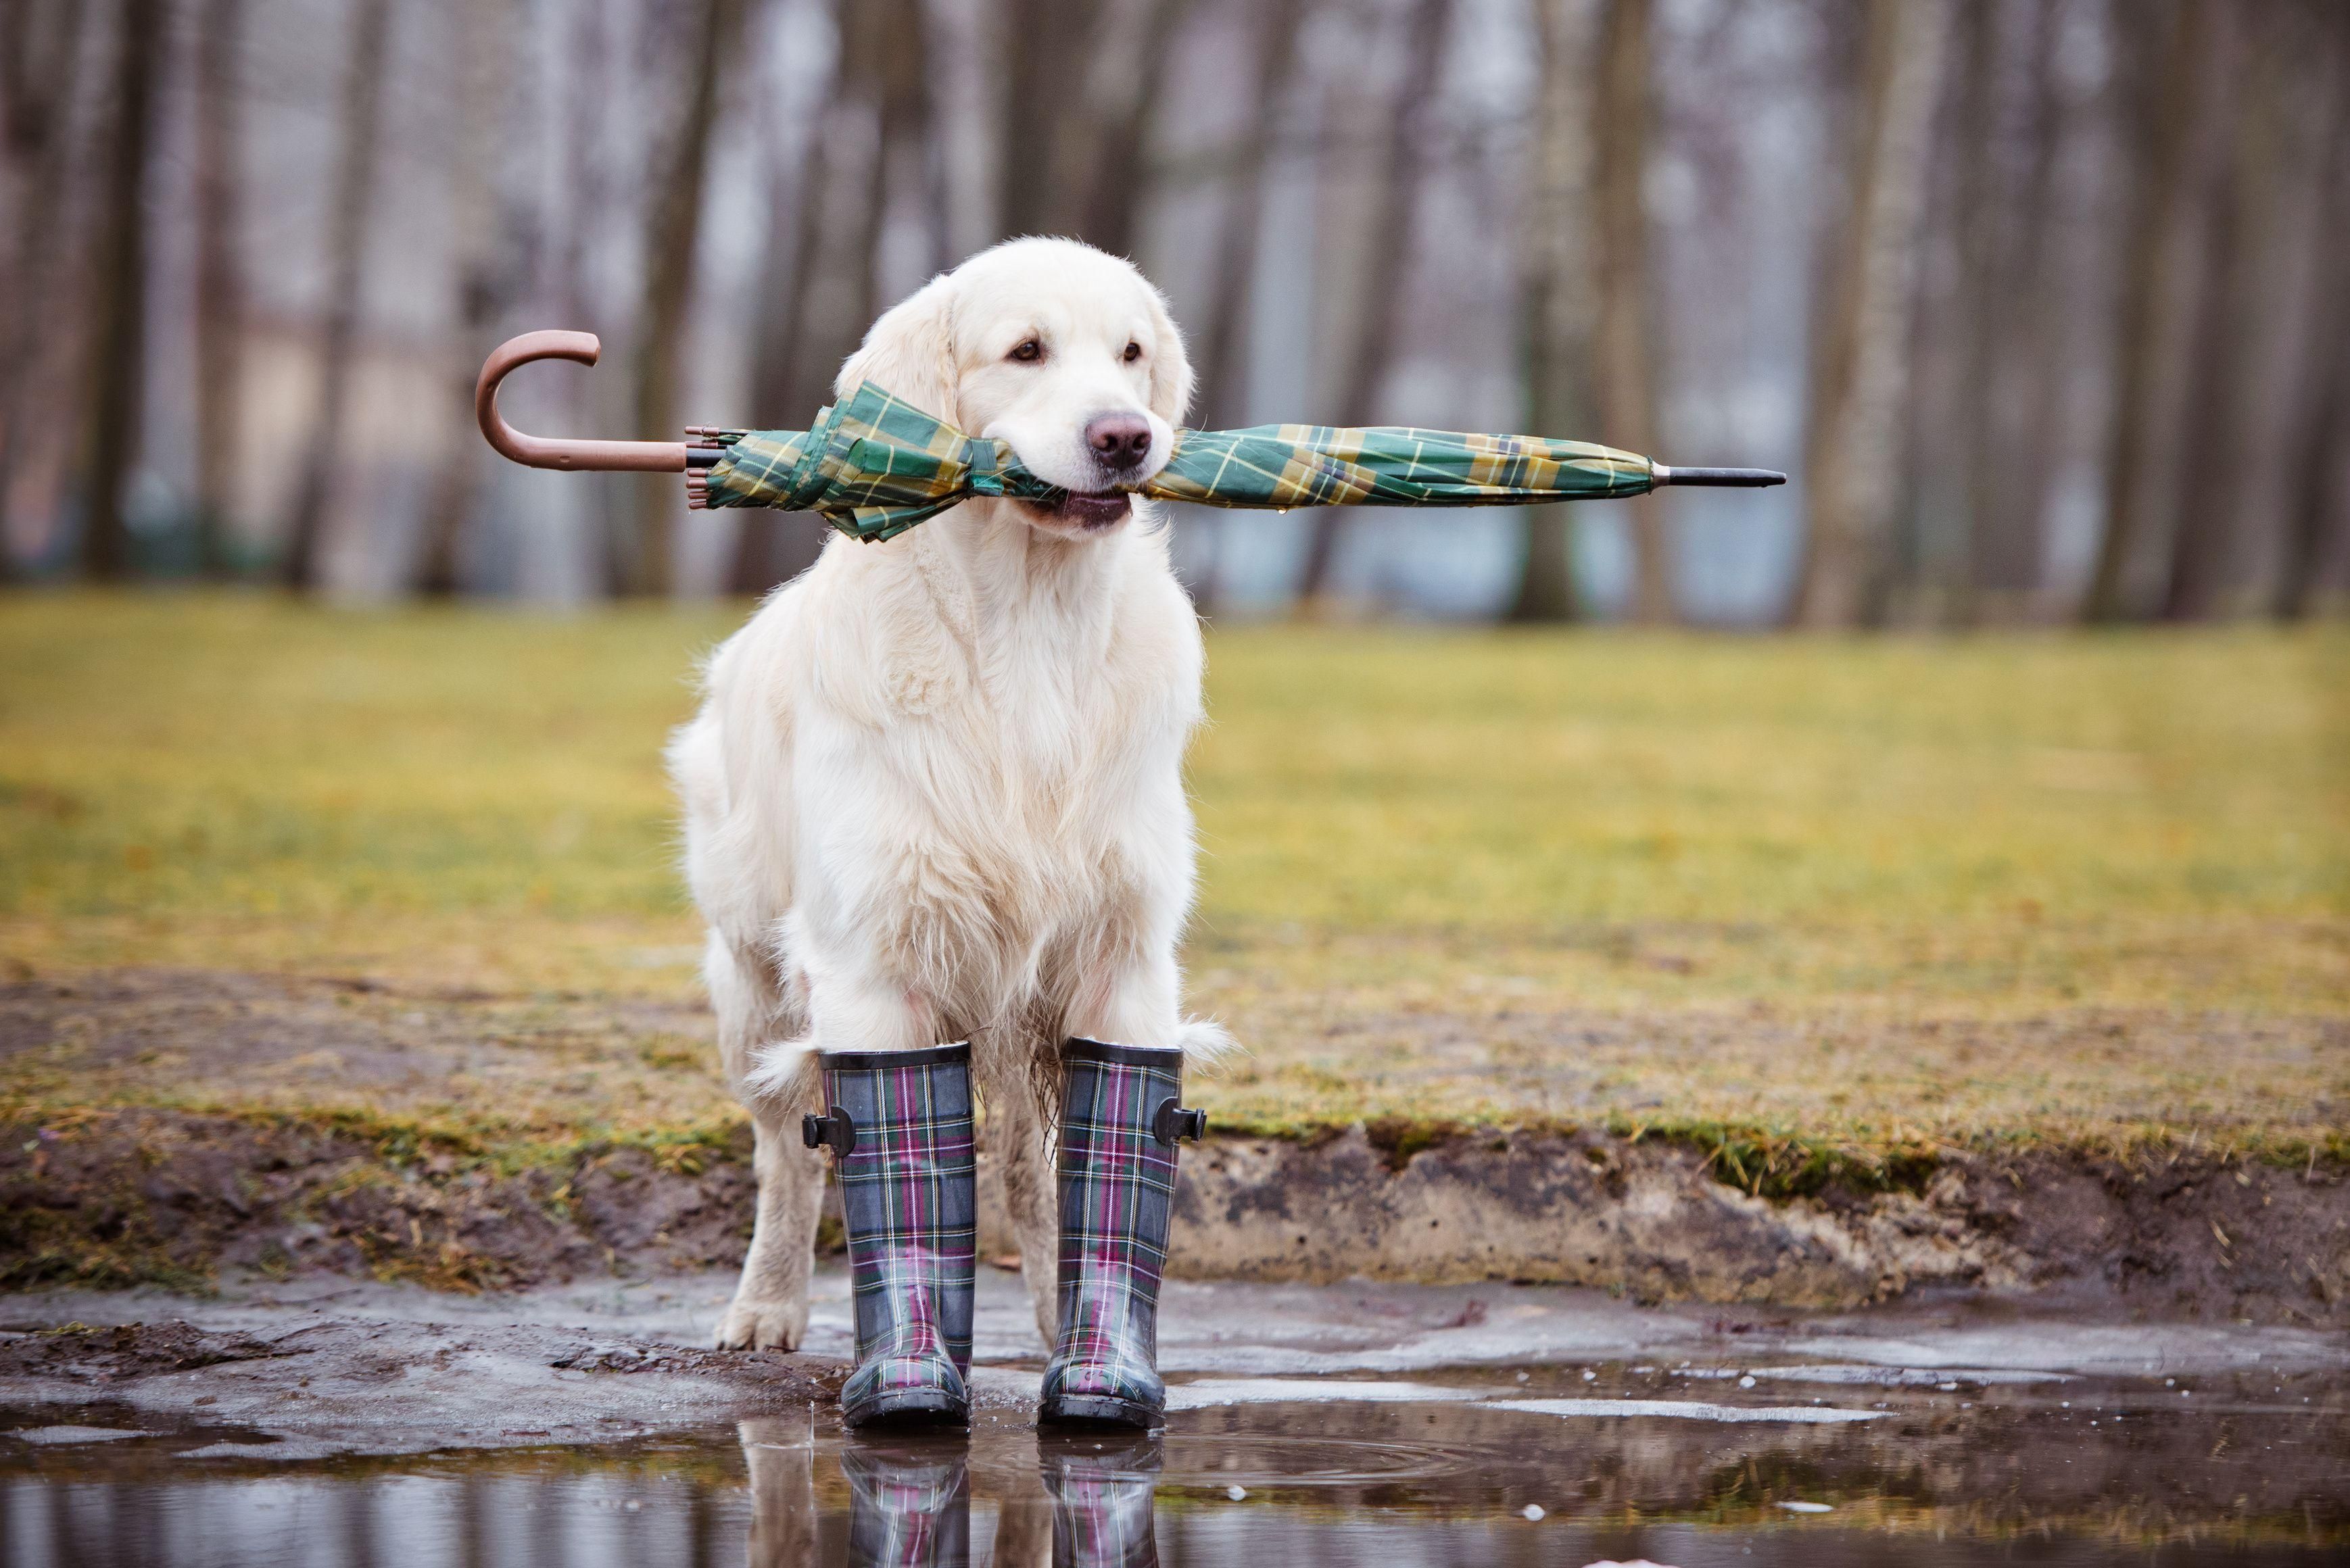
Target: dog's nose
<point>1118,441</point>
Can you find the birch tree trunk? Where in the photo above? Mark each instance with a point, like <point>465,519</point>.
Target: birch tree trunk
<point>111,446</point>
<point>672,237</point>
<point>1627,327</point>
<point>350,201</point>
<point>219,275</point>
<point>1379,311</point>
<point>1852,454</point>
<point>1556,302</point>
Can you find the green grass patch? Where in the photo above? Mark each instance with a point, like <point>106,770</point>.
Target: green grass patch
<point>1846,894</point>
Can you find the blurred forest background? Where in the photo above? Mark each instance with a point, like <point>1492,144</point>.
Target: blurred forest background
<point>2045,304</point>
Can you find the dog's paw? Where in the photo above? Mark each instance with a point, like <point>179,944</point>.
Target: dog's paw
<point>765,1324</point>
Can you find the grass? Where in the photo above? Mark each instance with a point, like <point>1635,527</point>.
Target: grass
<point>1865,893</point>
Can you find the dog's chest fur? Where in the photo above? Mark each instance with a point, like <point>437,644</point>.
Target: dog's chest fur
<point>1032,708</point>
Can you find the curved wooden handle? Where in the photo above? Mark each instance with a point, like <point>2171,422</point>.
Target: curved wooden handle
<point>539,451</point>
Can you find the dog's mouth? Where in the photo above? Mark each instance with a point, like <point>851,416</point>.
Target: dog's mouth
<point>1090,513</point>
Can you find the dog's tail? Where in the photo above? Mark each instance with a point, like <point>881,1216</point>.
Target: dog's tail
<point>782,1071</point>
<point>1204,1042</point>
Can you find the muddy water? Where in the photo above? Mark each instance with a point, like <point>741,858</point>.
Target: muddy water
<point>1367,1425</point>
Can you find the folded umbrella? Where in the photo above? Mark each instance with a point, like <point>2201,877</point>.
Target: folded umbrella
<point>874,465</point>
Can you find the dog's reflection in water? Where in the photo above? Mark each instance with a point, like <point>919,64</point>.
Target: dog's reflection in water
<point>1091,1505</point>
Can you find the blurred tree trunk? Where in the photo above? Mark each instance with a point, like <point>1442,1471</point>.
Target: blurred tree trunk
<point>486,266</point>
<point>1852,456</point>
<point>2169,128</point>
<point>1082,79</point>
<point>1099,174</point>
<point>1627,328</point>
<point>2242,187</point>
<point>1947,556</point>
<point>672,239</point>
<point>772,548</point>
<point>111,440</point>
<point>219,275</point>
<point>2013,415</point>
<point>40,60</point>
<point>1378,321</point>
<point>2317,514</point>
<point>1222,354</point>
<point>1557,301</point>
<point>351,200</point>
<point>876,117</point>
<point>1044,45</point>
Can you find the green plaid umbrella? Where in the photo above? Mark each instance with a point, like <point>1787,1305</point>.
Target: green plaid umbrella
<point>874,465</point>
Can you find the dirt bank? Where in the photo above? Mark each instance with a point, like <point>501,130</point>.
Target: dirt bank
<point>2191,1236</point>
<point>117,1197</point>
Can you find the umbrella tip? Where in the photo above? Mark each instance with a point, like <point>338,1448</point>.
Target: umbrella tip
<point>1731,478</point>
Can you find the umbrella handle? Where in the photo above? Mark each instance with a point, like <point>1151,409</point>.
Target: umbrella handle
<point>539,451</point>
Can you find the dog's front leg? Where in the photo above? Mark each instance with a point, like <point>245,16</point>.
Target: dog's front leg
<point>770,1306</point>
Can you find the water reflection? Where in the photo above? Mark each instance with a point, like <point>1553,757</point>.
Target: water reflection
<point>909,1505</point>
<point>1104,1501</point>
<point>1089,1503</point>
<point>2085,1475</point>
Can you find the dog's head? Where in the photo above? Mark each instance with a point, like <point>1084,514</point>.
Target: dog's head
<point>1065,352</point>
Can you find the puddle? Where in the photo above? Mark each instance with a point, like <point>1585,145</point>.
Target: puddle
<point>1464,1473</point>
<point>1427,1428</point>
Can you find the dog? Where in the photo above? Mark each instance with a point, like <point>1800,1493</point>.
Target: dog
<point>934,788</point>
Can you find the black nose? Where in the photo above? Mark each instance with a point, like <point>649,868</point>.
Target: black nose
<point>1118,441</point>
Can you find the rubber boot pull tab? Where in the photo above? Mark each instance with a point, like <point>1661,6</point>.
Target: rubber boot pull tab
<point>1173,1123</point>
<point>835,1131</point>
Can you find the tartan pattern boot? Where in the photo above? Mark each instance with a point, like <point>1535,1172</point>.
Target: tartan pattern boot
<point>1119,1122</point>
<point>1104,1504</point>
<point>900,1129</point>
<point>907,1508</point>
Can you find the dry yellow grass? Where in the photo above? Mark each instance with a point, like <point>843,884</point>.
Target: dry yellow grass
<point>2009,885</point>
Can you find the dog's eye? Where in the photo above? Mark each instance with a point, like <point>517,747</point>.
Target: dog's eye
<point>1029,352</point>
<point>1133,352</point>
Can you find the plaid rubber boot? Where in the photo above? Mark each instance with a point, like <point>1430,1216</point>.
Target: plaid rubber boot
<point>907,1508</point>
<point>900,1130</point>
<point>1104,1504</point>
<point>1119,1122</point>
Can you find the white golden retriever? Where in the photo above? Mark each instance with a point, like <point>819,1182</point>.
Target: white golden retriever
<point>934,792</point>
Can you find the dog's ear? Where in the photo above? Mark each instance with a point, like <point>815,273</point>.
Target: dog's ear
<point>1171,367</point>
<point>910,351</point>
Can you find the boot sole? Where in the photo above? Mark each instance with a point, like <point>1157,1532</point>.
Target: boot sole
<point>1098,1410</point>
<point>925,1408</point>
